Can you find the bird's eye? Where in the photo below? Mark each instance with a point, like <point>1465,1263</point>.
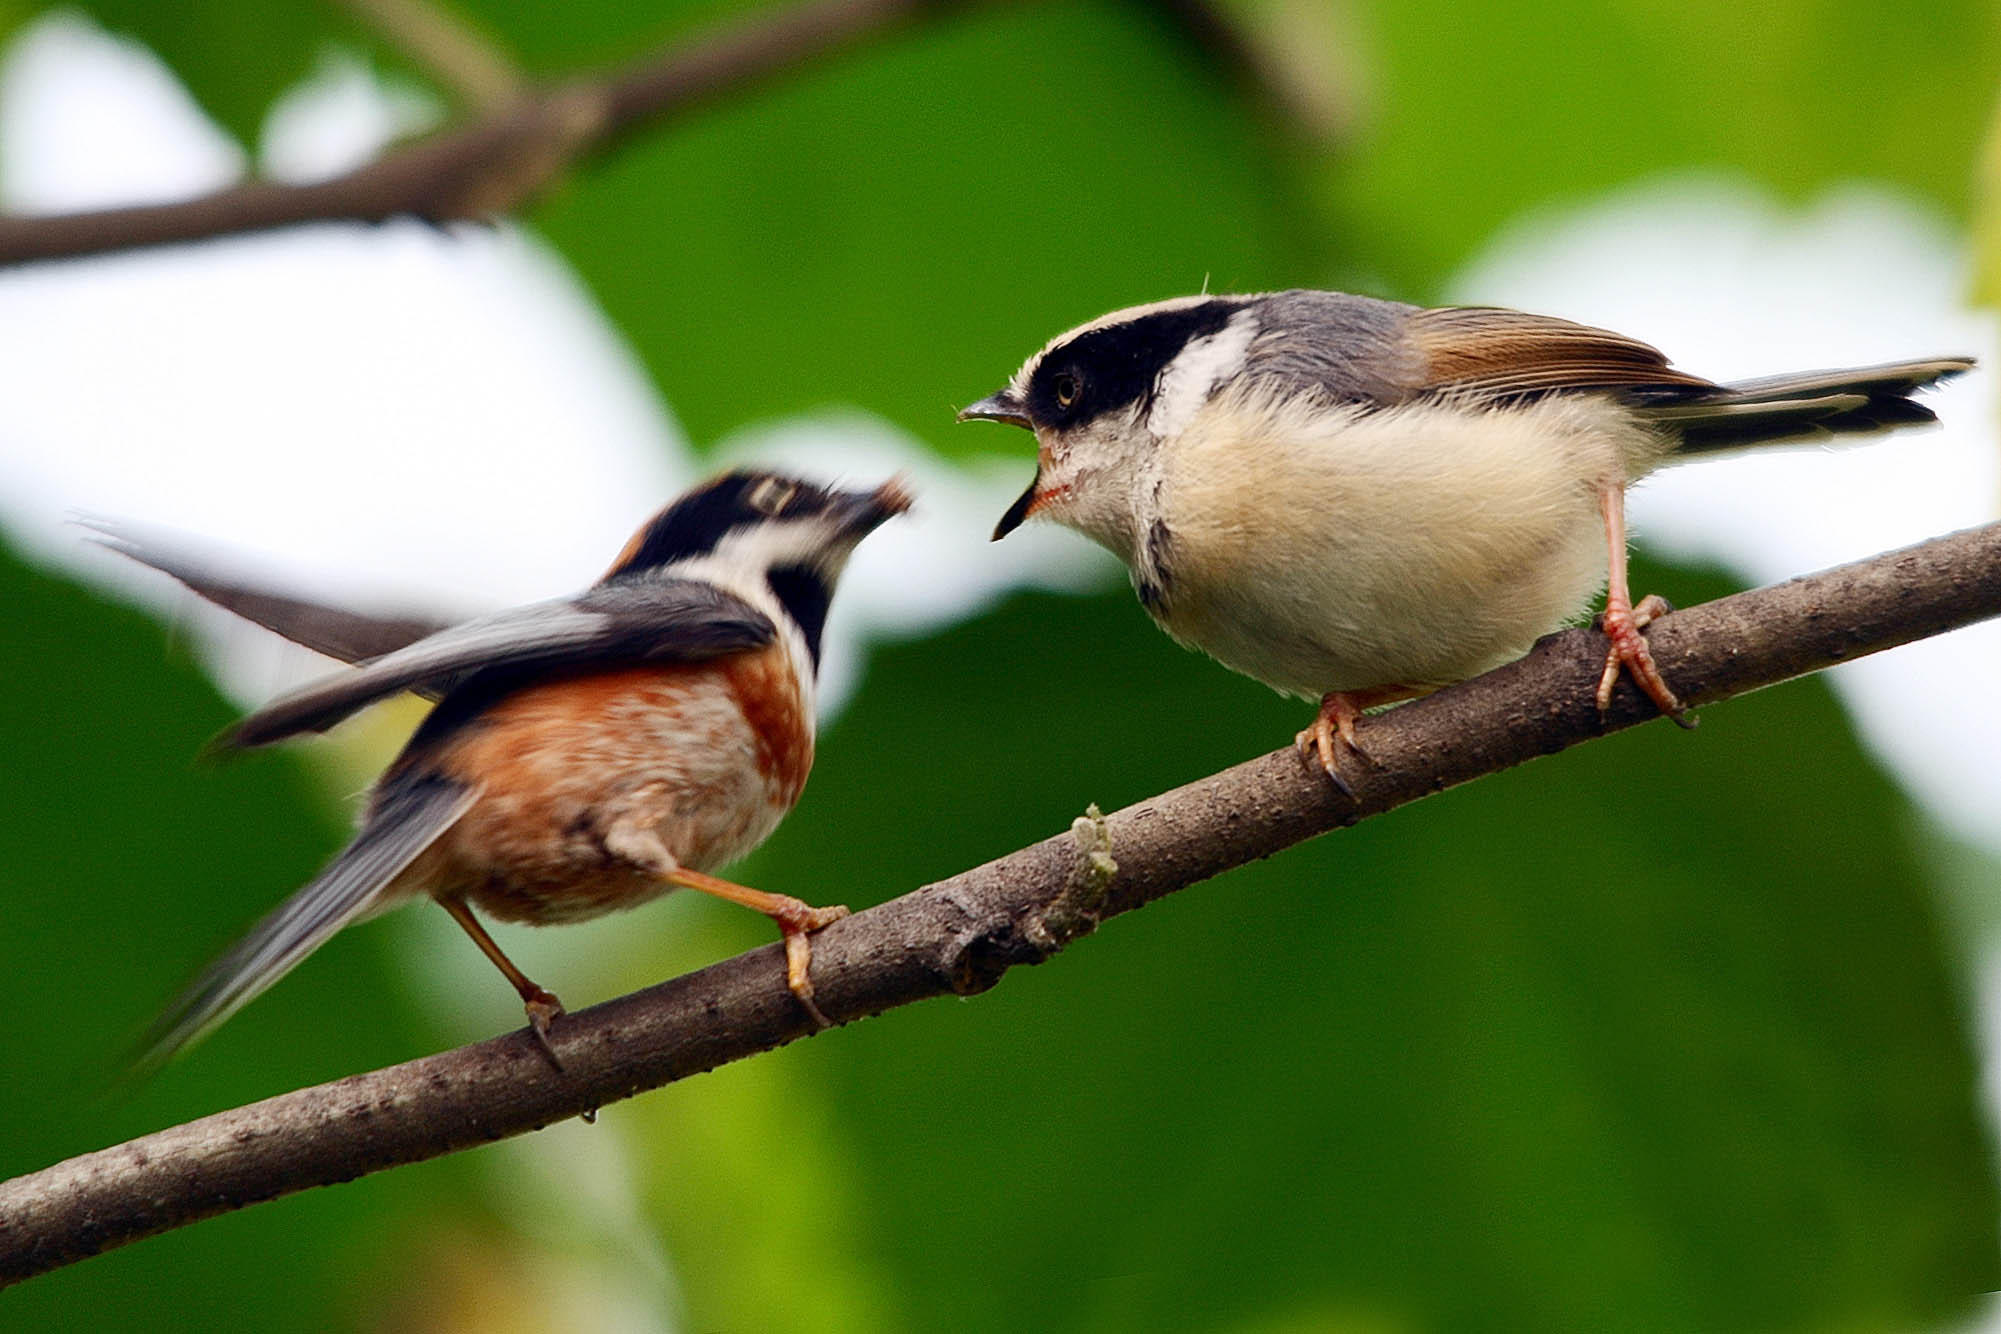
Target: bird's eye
<point>1069,388</point>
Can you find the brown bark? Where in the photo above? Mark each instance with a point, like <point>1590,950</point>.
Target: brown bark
<point>499,162</point>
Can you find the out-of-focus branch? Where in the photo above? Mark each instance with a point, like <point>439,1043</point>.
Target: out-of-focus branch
<point>1292,60</point>
<point>498,163</point>
<point>458,57</point>
<point>960,935</point>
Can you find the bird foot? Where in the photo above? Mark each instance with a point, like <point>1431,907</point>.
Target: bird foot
<point>1334,728</point>
<point>796,919</point>
<point>798,929</point>
<point>543,1009</point>
<point>1622,624</point>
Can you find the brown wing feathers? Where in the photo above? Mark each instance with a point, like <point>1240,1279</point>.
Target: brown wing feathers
<point>1505,354</point>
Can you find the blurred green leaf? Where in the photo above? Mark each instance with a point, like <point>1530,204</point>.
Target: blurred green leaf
<point>1507,108</point>
<point>554,42</point>
<point>806,246</point>
<point>1987,219</point>
<point>15,13</point>
<point>235,56</point>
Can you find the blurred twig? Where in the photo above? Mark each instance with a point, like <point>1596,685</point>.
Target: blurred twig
<point>960,935</point>
<point>456,55</point>
<point>498,163</point>
<point>1292,60</point>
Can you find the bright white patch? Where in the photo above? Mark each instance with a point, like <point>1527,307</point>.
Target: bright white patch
<point>88,120</point>
<point>503,450</point>
<point>391,417</point>
<point>339,120</point>
<point>1196,370</point>
<point>744,556</point>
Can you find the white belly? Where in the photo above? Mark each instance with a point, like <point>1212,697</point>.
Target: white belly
<point>1416,546</point>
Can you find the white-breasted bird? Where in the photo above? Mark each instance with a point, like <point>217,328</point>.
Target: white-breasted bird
<point>1363,501</point>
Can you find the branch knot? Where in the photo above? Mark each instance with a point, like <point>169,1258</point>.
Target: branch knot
<point>1075,908</point>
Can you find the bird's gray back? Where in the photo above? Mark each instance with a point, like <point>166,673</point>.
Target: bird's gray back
<point>1350,348</point>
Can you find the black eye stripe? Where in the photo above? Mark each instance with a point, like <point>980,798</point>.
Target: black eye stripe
<point>1119,364</point>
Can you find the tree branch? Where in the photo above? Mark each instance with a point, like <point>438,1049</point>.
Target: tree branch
<point>457,55</point>
<point>960,935</point>
<point>495,164</point>
<point>1298,83</point>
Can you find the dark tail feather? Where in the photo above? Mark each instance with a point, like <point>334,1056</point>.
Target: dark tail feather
<point>348,636</point>
<point>1806,406</point>
<point>408,817</point>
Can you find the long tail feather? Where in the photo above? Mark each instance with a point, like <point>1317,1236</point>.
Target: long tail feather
<point>341,634</point>
<point>1804,406</point>
<point>408,817</point>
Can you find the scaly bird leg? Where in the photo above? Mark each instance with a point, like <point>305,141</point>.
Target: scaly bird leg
<point>542,1006</point>
<point>1622,621</point>
<point>796,920</point>
<point>1338,711</point>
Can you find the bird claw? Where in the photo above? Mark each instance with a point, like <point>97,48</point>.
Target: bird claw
<point>1335,723</point>
<point>543,1010</point>
<point>1629,651</point>
<point>798,930</point>
<point>796,921</point>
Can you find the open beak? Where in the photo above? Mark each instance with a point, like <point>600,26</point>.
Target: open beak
<point>863,511</point>
<point>1021,509</point>
<point>1008,406</point>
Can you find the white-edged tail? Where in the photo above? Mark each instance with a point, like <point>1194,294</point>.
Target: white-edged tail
<point>1805,405</point>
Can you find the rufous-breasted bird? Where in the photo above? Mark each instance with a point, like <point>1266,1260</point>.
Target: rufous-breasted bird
<point>586,754</point>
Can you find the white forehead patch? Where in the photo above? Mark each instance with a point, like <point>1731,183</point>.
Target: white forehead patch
<point>1186,383</point>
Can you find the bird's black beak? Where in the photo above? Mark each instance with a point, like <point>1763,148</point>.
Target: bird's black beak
<point>1006,406</point>
<point>1021,509</point>
<point>868,510</point>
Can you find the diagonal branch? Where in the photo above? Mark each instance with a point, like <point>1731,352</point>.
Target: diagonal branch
<point>960,935</point>
<point>457,56</point>
<point>500,162</point>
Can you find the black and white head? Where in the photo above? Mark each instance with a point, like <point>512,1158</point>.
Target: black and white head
<point>1101,397</point>
<point>778,542</point>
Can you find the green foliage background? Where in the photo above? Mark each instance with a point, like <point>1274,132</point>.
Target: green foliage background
<point>1666,1033</point>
